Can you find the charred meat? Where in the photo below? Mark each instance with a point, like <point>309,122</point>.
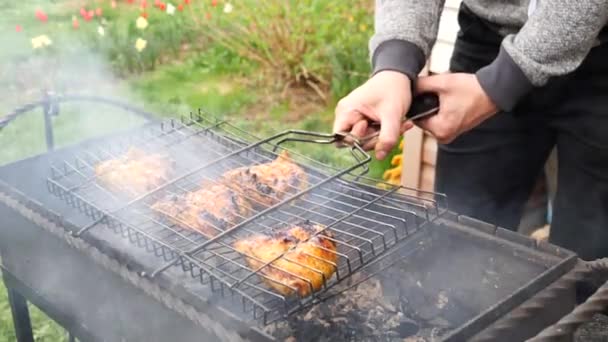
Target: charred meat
<point>134,173</point>
<point>269,183</point>
<point>209,210</point>
<point>307,258</point>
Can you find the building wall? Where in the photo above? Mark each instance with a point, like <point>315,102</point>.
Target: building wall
<point>448,29</point>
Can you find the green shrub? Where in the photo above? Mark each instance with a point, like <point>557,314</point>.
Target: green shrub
<point>313,43</point>
<point>167,37</point>
<point>319,44</point>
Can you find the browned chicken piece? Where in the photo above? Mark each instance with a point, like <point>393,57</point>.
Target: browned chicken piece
<point>310,263</point>
<point>269,183</point>
<point>134,173</point>
<point>210,210</point>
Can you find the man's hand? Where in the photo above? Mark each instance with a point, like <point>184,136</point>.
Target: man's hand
<point>463,105</point>
<point>384,98</point>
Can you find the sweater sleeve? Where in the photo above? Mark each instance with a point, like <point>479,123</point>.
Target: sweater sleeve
<point>405,31</point>
<point>554,42</point>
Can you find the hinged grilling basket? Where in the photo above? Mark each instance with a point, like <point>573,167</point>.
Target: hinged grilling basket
<point>356,222</point>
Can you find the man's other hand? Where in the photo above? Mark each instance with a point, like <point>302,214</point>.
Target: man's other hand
<point>463,104</point>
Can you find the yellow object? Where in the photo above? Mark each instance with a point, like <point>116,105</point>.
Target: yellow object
<point>397,160</point>
<point>393,175</point>
<point>384,186</point>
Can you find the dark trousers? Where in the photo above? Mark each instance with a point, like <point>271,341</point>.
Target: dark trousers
<point>489,172</point>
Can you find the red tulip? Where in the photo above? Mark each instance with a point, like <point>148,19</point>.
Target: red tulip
<point>144,15</point>
<point>187,2</point>
<point>83,12</point>
<point>130,1</point>
<point>180,7</point>
<point>75,23</point>
<point>18,28</point>
<point>41,15</point>
<point>143,4</point>
<point>157,3</point>
<point>162,6</point>
<point>88,16</point>
<point>99,12</point>
<point>213,3</point>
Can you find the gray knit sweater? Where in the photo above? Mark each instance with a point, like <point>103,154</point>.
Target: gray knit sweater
<point>543,39</point>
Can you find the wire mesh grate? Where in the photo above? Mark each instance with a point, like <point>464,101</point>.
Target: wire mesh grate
<point>344,223</point>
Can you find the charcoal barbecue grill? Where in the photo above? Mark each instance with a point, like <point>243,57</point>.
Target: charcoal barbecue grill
<point>107,267</point>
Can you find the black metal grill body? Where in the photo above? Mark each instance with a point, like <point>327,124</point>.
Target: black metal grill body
<point>94,304</point>
<point>485,272</point>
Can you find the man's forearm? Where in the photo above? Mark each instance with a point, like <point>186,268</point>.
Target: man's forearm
<point>405,31</point>
<point>554,42</point>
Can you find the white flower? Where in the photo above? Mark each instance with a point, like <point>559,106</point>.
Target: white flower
<point>41,41</point>
<point>228,8</point>
<point>46,41</point>
<point>36,43</point>
<point>140,44</point>
<point>101,31</point>
<point>170,9</point>
<point>141,23</point>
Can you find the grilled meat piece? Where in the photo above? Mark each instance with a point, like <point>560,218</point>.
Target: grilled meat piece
<point>134,173</point>
<point>269,183</point>
<point>210,210</point>
<point>217,207</point>
<point>310,263</point>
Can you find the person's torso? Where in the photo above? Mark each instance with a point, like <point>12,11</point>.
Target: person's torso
<point>508,16</point>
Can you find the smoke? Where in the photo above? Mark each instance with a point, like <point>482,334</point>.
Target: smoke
<point>67,64</point>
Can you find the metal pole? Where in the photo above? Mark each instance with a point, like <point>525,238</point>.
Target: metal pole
<point>21,316</point>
